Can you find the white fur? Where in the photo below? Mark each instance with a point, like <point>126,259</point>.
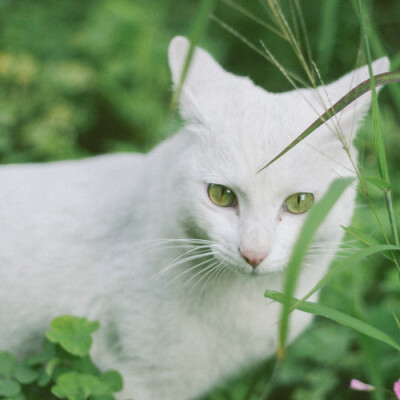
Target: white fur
<point>107,237</point>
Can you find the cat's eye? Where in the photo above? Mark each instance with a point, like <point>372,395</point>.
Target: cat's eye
<point>299,203</point>
<point>221,195</point>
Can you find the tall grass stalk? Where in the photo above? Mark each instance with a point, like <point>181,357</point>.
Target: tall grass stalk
<point>379,142</point>
<point>312,223</point>
<point>200,24</point>
<point>337,316</point>
<point>328,32</point>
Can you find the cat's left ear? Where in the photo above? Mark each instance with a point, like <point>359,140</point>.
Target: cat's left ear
<point>203,77</point>
<point>202,69</point>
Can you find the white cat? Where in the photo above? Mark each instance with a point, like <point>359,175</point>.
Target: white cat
<point>172,251</point>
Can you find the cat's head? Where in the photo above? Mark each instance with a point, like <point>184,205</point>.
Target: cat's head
<point>233,128</point>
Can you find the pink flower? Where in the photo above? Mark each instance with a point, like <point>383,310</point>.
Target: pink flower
<point>396,389</point>
<point>364,387</point>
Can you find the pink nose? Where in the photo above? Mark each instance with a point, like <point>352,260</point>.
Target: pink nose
<point>254,258</point>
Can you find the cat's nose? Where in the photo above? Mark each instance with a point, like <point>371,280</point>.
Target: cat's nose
<point>254,258</point>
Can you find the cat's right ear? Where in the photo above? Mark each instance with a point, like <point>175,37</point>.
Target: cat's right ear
<point>203,76</point>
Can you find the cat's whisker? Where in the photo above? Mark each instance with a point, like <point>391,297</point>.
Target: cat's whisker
<point>206,277</point>
<point>223,269</point>
<point>180,261</point>
<point>176,264</point>
<point>167,245</point>
<point>188,270</point>
<point>205,271</point>
<point>193,249</point>
<point>173,242</point>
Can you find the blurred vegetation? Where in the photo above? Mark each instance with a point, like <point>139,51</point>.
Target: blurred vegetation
<point>83,78</point>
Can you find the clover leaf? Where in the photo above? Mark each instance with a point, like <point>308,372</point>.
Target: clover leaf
<point>25,375</point>
<point>72,333</point>
<point>9,388</point>
<point>74,386</point>
<point>8,363</point>
<point>113,380</point>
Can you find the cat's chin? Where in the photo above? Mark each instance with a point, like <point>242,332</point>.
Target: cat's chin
<point>262,270</point>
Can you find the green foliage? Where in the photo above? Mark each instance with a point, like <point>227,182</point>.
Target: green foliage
<point>341,318</point>
<point>73,334</point>
<point>63,368</point>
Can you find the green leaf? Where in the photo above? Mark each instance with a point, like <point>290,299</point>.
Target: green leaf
<point>102,397</point>
<point>337,316</point>
<point>7,364</point>
<point>361,236</point>
<point>74,386</point>
<point>85,365</point>
<point>316,215</point>
<point>350,261</point>
<point>25,375</point>
<point>52,365</point>
<point>378,182</point>
<point>49,352</point>
<point>113,380</point>
<point>397,320</point>
<point>73,334</point>
<point>44,379</point>
<point>20,396</point>
<point>9,388</point>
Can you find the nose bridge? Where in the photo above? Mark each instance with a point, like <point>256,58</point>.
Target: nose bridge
<point>256,231</point>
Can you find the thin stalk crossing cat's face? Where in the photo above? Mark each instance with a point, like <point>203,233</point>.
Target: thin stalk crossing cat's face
<point>234,128</point>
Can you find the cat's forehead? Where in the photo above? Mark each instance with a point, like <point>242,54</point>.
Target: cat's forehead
<point>256,126</point>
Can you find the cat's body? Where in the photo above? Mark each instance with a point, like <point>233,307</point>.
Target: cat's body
<point>135,242</point>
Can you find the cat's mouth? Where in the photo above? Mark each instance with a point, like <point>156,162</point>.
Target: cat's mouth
<point>241,267</point>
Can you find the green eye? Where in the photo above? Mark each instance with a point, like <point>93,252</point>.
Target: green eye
<point>221,195</point>
<point>299,203</point>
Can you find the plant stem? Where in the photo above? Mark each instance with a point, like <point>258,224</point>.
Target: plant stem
<point>379,143</point>
<point>268,389</point>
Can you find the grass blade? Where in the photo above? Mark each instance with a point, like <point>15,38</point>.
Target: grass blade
<point>346,263</point>
<point>361,236</point>
<point>328,34</point>
<point>315,218</point>
<point>378,182</point>
<point>337,316</point>
<point>354,94</point>
<point>200,24</point>
<point>378,136</point>
<point>397,320</point>
<point>251,16</point>
<point>379,144</point>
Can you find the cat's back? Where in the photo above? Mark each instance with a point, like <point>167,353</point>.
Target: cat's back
<point>50,209</point>
<point>31,177</point>
<point>57,185</point>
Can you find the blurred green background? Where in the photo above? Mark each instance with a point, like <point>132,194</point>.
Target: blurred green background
<point>79,78</point>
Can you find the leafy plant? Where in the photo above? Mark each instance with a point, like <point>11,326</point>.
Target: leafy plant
<point>62,370</point>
